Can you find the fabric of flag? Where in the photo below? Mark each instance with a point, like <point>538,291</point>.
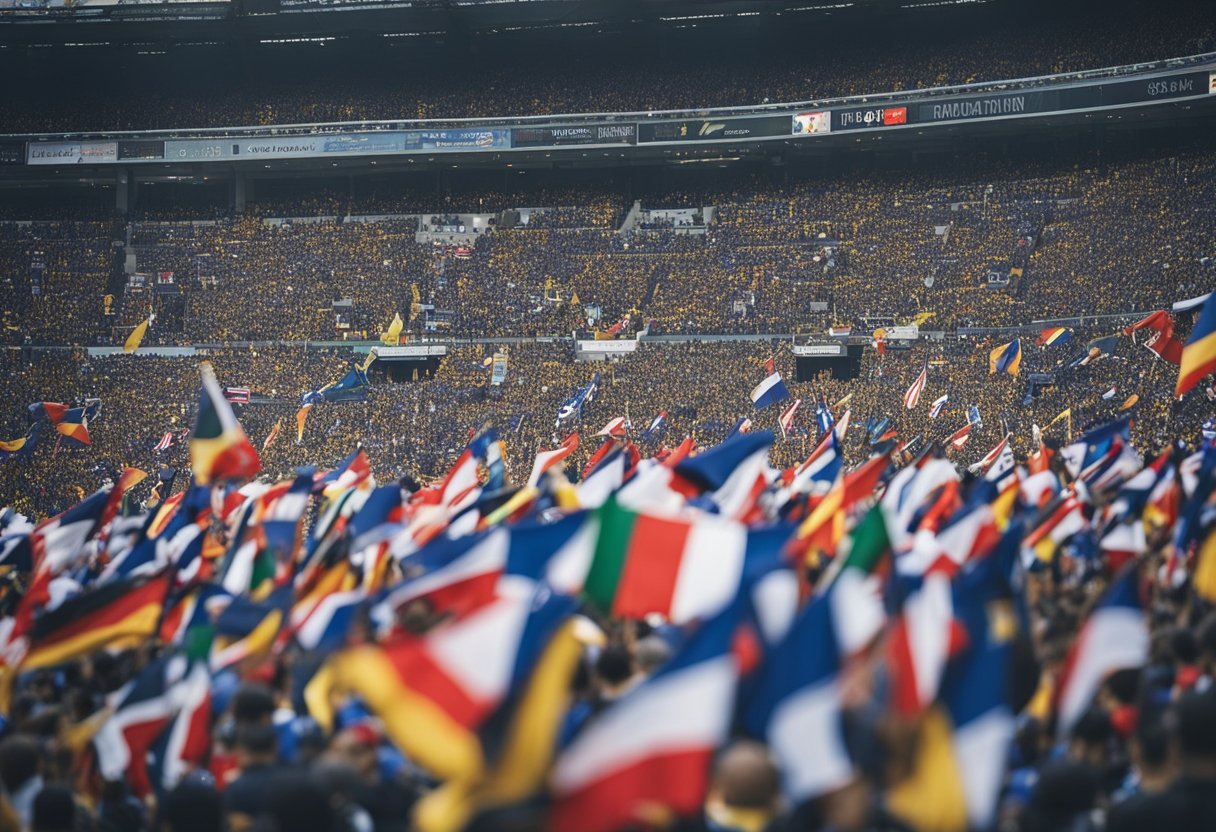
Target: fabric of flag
<point>935,409</point>
<point>1199,354</point>
<point>912,395</point>
<point>273,435</point>
<point>142,710</point>
<point>575,405</point>
<point>679,568</point>
<point>614,428</point>
<point>744,425</point>
<point>728,473</point>
<point>53,411</point>
<point>185,742</point>
<point>1006,358</point>
<point>820,469</point>
<point>959,438</point>
<point>770,391</point>
<point>75,425</point>
<point>1096,349</point>
<point>655,429</point>
<point>392,335</point>
<point>23,446</point>
<point>991,457</point>
<point>548,459</point>
<point>137,336</point>
<point>1054,335</point>
<point>652,748</point>
<point>352,387</point>
<point>238,395</point>
<point>797,696</point>
<point>1114,637</point>
<point>787,418</point>
<point>219,448</point>
<point>1162,341</point>
<point>434,694</point>
<point>165,442</point>
<point>125,611</point>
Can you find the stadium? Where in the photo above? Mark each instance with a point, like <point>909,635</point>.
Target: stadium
<point>601,415</point>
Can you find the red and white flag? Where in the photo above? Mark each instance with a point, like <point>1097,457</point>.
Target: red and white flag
<point>960,437</point>
<point>913,395</point>
<point>787,418</point>
<point>165,442</point>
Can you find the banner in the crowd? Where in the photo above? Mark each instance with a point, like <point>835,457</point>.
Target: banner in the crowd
<point>806,124</point>
<point>818,349</point>
<point>71,153</point>
<point>342,144</point>
<point>410,351</point>
<point>607,347</point>
<point>499,372</point>
<point>574,134</point>
<point>712,130</point>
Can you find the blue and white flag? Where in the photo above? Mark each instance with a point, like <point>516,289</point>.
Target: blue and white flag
<point>352,387</point>
<point>938,404</point>
<point>575,404</point>
<point>769,391</point>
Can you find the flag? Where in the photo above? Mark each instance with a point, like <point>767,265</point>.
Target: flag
<point>273,435</point>
<point>21,447</point>
<point>245,630</point>
<point>1162,342</point>
<point>728,473</point>
<point>75,424</point>
<point>681,568</point>
<point>219,448</point>
<point>798,694</point>
<point>186,741</point>
<point>657,424</point>
<point>140,711</point>
<point>1130,402</point>
<point>137,336</point>
<point>352,387</point>
<point>820,469</point>
<point>238,395</point>
<point>651,749</point>
<point>165,442</point>
<point>1054,335</point>
<point>1199,355</point>
<point>959,438</point>
<point>1097,348</point>
<point>770,391</point>
<point>393,334</point>
<point>744,425</point>
<point>574,405</point>
<point>547,459</point>
<point>1066,413</point>
<point>124,611</point>
<point>1006,358</point>
<point>47,410</point>
<point>991,457</point>
<point>787,418</point>
<point>1114,637</point>
<point>615,428</point>
<point>770,365</point>
<point>1110,394</point>
<point>301,418</point>
<point>936,408</point>
<point>912,396</point>
<point>434,694</point>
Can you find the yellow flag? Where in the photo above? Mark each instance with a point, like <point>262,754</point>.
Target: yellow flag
<point>136,336</point>
<point>574,298</point>
<point>931,799</point>
<point>371,356</point>
<point>301,417</point>
<point>394,331</point>
<point>1066,413</point>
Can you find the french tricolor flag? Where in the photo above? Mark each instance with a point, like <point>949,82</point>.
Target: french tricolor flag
<point>1114,637</point>
<point>652,748</point>
<point>769,391</point>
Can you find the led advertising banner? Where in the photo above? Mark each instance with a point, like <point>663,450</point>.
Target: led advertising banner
<point>702,130</point>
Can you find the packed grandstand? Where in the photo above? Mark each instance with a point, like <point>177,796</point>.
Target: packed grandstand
<point>814,483</point>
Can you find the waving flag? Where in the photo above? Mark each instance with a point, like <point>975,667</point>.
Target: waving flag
<point>75,422</point>
<point>1054,335</point>
<point>273,435</point>
<point>991,457</point>
<point>1199,355</point>
<point>547,459</point>
<point>744,425</point>
<point>912,396</point>
<point>137,336</point>
<point>219,448</point>
<point>1096,349</point>
<point>959,438</point>
<point>1162,342</point>
<point>1006,358</point>
<point>770,391</point>
<point>936,409</point>
<point>657,424</point>
<point>165,442</point>
<point>615,428</point>
<point>787,418</point>
<point>681,568</point>
<point>352,387</point>
<point>21,447</point>
<point>651,748</point>
<point>574,405</point>
<point>821,468</point>
<point>1115,636</point>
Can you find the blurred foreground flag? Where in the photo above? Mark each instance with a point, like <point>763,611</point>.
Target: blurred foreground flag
<point>1199,354</point>
<point>219,448</point>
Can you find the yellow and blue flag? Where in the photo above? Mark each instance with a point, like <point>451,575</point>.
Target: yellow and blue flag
<point>1199,354</point>
<point>1006,358</point>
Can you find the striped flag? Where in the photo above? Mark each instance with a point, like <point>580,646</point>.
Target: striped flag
<point>165,442</point>
<point>770,391</point>
<point>219,448</point>
<point>547,459</point>
<point>1054,335</point>
<point>1199,354</point>
<point>787,418</point>
<point>992,456</point>
<point>681,568</point>
<point>912,396</point>
<point>935,409</point>
<point>959,438</point>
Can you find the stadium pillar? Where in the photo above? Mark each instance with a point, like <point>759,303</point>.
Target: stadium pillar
<point>238,193</point>
<point>122,192</point>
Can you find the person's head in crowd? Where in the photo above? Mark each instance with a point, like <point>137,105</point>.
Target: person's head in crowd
<point>745,788</point>
<point>297,802</point>
<point>344,787</point>
<point>1194,733</point>
<point>54,810</point>
<point>357,746</point>
<point>257,744</point>
<point>1149,750</point>
<point>1090,739</point>
<point>253,703</point>
<point>1063,799</point>
<point>193,805</point>
<point>614,670</point>
<point>20,762</point>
